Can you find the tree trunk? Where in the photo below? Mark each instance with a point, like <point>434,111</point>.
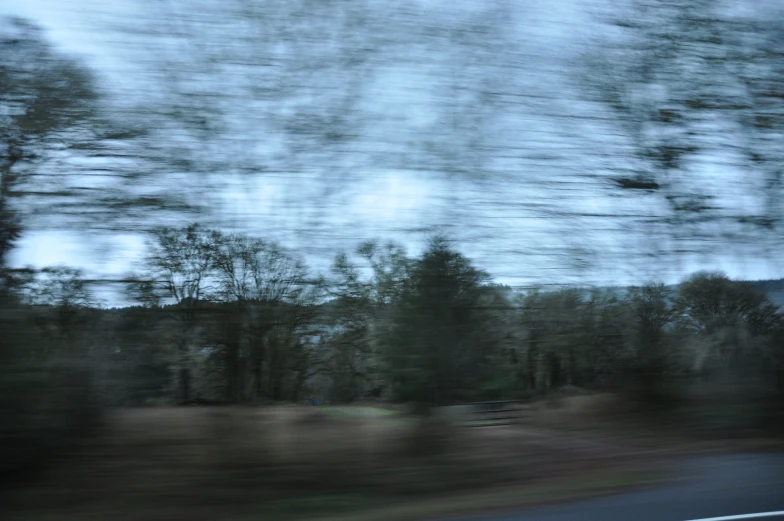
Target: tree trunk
<point>258,389</point>
<point>185,385</point>
<point>232,373</point>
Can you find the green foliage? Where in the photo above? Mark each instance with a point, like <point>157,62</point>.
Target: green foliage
<point>571,337</point>
<point>250,324</point>
<point>48,397</point>
<point>708,302</point>
<point>356,316</point>
<point>656,344</point>
<point>653,364</point>
<point>437,343</point>
<point>739,333</point>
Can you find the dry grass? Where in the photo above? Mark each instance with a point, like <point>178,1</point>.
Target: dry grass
<point>295,462</point>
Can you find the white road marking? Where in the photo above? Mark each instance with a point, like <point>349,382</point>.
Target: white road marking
<point>741,516</point>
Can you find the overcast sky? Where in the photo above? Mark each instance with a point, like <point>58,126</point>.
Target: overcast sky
<point>517,219</point>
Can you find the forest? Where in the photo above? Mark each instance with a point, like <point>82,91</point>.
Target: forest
<point>233,319</point>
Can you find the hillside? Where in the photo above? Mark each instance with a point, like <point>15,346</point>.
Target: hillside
<point>773,288</point>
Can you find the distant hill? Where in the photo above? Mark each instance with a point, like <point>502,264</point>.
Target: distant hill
<point>774,289</point>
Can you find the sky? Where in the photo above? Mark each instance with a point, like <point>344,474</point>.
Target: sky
<point>535,160</point>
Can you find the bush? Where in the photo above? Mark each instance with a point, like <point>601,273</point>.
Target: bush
<point>431,437</point>
<point>45,412</point>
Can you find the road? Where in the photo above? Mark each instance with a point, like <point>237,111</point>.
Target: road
<point>713,487</point>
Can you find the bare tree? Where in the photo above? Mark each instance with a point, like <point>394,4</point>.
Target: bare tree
<point>272,297</point>
<point>179,264</point>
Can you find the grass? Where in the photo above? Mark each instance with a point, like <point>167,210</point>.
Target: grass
<point>358,412</point>
<point>349,506</point>
<point>347,462</point>
<point>357,508</point>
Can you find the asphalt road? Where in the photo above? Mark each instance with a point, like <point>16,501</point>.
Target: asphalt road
<point>715,486</point>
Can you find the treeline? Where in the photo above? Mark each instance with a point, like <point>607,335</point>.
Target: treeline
<point>234,319</point>
<point>229,318</point>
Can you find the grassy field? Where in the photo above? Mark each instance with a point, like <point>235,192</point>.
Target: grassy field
<point>295,462</point>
